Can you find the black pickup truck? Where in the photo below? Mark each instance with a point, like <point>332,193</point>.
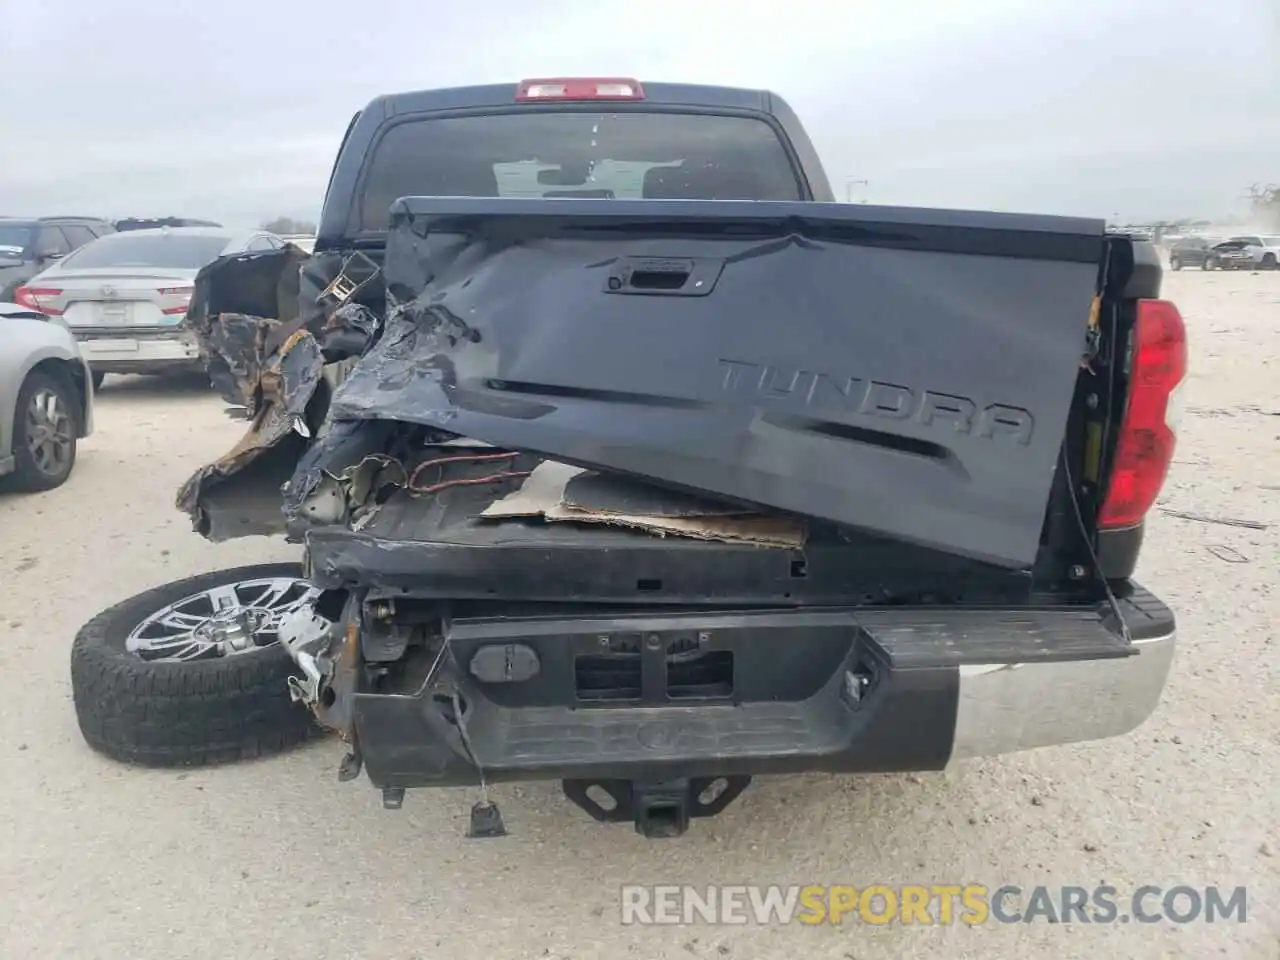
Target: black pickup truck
<point>654,468</point>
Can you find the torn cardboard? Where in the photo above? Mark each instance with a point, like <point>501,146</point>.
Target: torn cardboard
<point>543,495</point>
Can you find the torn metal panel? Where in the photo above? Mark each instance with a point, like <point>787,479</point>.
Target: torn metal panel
<point>246,307</point>
<point>237,302</point>
<point>326,650</point>
<point>342,446</point>
<point>284,391</point>
<point>268,324</point>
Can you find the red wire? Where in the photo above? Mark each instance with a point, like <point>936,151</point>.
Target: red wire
<point>415,490</point>
<point>473,481</point>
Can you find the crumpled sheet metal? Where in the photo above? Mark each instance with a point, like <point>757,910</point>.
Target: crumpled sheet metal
<point>245,308</point>
<point>234,356</point>
<point>373,474</point>
<point>237,304</point>
<point>285,388</point>
<point>266,331</point>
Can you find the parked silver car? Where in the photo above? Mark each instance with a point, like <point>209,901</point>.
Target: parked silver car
<point>46,400</point>
<point>125,295</point>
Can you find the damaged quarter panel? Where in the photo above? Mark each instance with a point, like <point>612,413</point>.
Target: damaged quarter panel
<point>268,324</point>
<point>904,372</point>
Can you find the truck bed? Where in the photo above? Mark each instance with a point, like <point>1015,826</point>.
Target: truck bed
<point>438,547</point>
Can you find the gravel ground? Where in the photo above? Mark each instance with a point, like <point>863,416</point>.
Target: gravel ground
<point>275,859</point>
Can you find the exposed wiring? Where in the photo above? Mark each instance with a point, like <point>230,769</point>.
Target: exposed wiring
<point>437,664</point>
<point>468,481</point>
<point>1094,344</point>
<point>1093,554</point>
<point>421,491</point>
<point>458,458</point>
<point>470,747</point>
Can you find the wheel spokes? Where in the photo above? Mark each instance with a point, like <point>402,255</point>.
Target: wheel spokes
<point>49,432</point>
<point>219,620</point>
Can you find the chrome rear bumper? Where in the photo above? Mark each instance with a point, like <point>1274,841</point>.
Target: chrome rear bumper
<point>1009,707</point>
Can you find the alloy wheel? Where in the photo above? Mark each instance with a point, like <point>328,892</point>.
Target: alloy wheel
<point>227,620</point>
<point>50,432</point>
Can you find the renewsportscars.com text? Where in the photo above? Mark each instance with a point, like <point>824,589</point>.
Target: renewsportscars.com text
<point>930,904</point>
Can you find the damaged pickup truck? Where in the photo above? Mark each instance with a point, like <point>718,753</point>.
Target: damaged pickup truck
<point>653,468</point>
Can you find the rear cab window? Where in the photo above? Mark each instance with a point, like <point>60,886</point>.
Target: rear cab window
<point>137,249</point>
<point>628,155</point>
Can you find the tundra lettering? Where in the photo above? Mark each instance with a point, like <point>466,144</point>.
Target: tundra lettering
<point>874,398</point>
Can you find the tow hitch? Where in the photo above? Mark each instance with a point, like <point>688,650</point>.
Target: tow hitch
<point>658,808</point>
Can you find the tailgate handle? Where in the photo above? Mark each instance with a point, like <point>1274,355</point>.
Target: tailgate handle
<point>664,276</point>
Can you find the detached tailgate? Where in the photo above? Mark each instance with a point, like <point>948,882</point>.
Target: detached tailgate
<point>906,372</point>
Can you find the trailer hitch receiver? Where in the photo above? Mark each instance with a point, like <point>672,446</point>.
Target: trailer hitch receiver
<point>658,808</point>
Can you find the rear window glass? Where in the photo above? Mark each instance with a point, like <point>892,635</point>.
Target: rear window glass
<point>172,250</point>
<point>14,238</point>
<point>622,156</point>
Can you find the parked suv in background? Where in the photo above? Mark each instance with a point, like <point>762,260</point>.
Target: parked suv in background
<point>1189,252</point>
<point>29,245</point>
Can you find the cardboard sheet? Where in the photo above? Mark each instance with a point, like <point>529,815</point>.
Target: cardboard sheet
<point>543,494</point>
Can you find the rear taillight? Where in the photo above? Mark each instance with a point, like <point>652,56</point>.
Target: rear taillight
<point>37,298</point>
<point>181,297</point>
<point>580,88</point>
<point>1157,366</point>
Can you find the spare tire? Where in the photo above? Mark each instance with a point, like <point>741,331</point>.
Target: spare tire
<point>192,672</point>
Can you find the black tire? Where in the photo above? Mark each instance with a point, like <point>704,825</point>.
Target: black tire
<point>98,377</point>
<point>181,714</point>
<point>29,475</point>
<point>1175,263</point>
<point>1269,262</point>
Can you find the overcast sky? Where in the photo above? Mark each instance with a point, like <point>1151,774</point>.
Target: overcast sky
<point>234,109</point>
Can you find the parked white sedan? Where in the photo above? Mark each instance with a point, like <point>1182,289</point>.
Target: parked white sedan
<point>46,400</point>
<point>125,295</point>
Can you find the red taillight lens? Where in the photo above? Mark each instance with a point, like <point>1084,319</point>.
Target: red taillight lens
<point>183,297</point>
<point>33,299</point>
<point>1147,434</point>
<point>580,88</point>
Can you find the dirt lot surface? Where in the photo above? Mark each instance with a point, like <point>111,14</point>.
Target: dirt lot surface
<point>275,859</point>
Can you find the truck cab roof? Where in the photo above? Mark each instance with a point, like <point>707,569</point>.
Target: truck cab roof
<point>654,94</point>
<point>356,165</point>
